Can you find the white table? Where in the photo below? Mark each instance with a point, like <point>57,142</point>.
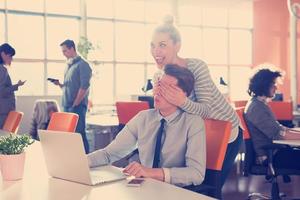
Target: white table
<point>288,142</point>
<point>37,185</point>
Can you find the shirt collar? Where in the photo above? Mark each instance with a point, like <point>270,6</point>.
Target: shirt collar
<point>263,99</point>
<point>170,118</point>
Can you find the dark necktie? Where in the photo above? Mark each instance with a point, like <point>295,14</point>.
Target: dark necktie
<point>158,144</point>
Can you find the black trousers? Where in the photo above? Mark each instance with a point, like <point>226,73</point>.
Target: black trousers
<point>288,158</point>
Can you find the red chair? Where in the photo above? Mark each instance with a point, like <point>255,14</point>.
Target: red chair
<point>63,121</point>
<point>241,103</point>
<point>283,110</point>
<point>217,137</point>
<point>12,122</point>
<point>240,112</point>
<point>127,110</point>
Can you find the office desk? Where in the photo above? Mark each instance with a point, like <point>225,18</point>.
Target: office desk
<point>288,142</point>
<point>37,185</point>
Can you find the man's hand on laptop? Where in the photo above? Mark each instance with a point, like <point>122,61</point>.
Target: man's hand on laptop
<point>139,171</point>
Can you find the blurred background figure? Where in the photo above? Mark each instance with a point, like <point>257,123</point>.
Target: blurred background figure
<point>7,89</point>
<point>42,112</point>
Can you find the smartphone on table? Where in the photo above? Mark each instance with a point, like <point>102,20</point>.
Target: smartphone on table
<point>136,182</point>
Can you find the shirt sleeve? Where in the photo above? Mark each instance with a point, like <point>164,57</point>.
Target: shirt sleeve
<point>122,145</point>
<point>4,88</point>
<point>203,89</point>
<point>195,157</point>
<point>85,75</point>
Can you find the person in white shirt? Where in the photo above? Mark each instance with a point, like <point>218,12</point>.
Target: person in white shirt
<point>180,156</point>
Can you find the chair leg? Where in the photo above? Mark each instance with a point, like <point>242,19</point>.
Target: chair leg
<point>275,190</point>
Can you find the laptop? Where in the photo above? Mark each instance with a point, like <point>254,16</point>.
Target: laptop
<point>66,159</point>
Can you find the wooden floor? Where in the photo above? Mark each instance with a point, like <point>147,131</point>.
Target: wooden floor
<point>237,187</point>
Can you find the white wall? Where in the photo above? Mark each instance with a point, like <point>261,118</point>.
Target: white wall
<point>25,104</point>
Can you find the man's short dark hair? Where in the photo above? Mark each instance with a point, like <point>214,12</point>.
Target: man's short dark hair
<point>262,81</point>
<point>8,50</point>
<point>69,44</point>
<point>185,78</point>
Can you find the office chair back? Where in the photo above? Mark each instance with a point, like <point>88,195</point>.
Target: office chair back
<point>127,110</point>
<point>217,137</point>
<point>63,121</point>
<point>283,110</point>
<point>12,122</point>
<point>240,112</point>
<point>241,103</point>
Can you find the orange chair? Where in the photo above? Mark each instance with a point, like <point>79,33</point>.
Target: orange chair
<point>12,122</point>
<point>240,112</point>
<point>127,110</point>
<point>283,110</point>
<point>217,137</point>
<point>63,121</point>
<point>241,103</point>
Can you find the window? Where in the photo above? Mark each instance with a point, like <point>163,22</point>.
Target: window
<point>130,79</point>
<point>190,14</point>
<point>55,70</point>
<point>191,42</point>
<point>66,7</point>
<point>129,10</point>
<point>215,17</point>
<point>101,91</point>
<point>28,5</point>
<point>153,10</point>
<point>2,24</point>
<point>241,16</point>
<point>34,81</point>
<point>29,43</point>
<point>130,42</point>
<point>99,8</point>
<point>100,33</point>
<point>60,29</point>
<point>218,72</point>
<point>240,47</point>
<point>215,46</point>
<point>239,81</point>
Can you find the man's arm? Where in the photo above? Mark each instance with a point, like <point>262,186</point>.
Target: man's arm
<point>80,96</point>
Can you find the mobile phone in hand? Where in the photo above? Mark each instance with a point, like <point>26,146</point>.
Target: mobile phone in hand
<point>52,79</point>
<point>135,182</point>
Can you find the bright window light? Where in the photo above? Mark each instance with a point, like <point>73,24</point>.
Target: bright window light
<point>129,9</point>
<point>148,36</point>
<point>99,8</point>
<point>215,46</point>
<point>239,80</point>
<point>28,5</point>
<point>240,47</point>
<point>154,10</point>
<point>100,33</point>
<point>190,14</point>
<point>2,36</point>
<point>216,73</point>
<point>55,70</point>
<point>191,46</point>
<point>130,79</point>
<point>29,43</point>
<point>101,91</point>
<point>60,29</point>
<point>151,69</point>
<point>130,42</point>
<point>34,81</point>
<point>241,15</point>
<point>66,7</point>
<point>215,17</point>
<point>1,4</point>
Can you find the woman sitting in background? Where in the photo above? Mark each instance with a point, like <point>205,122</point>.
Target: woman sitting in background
<point>262,124</point>
<point>42,112</point>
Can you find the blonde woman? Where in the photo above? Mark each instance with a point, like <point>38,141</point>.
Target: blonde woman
<point>206,100</point>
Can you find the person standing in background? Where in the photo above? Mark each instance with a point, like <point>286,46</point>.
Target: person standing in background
<point>7,89</point>
<point>205,100</point>
<point>76,87</point>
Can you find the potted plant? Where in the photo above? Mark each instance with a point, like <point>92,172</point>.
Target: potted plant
<point>12,155</point>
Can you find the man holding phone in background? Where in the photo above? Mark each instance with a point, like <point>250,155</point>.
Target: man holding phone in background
<point>171,142</point>
<point>75,86</point>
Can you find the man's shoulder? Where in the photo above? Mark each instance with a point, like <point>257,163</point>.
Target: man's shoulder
<point>193,118</point>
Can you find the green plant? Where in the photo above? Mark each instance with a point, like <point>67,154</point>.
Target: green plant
<point>14,144</point>
<point>84,46</point>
